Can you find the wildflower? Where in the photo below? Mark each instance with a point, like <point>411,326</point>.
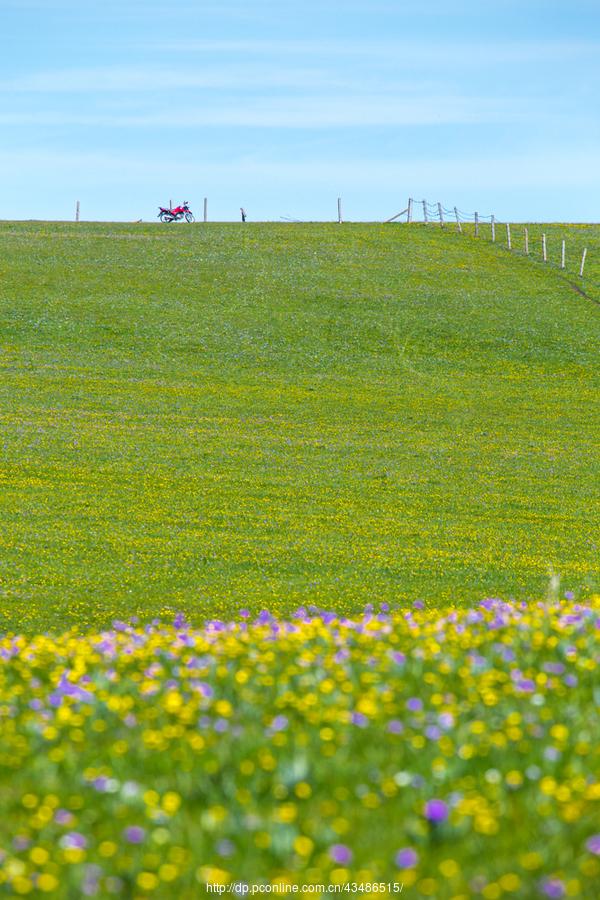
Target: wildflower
<point>134,834</point>
<point>73,840</point>
<point>395,726</point>
<point>340,854</point>
<point>406,858</point>
<point>436,811</point>
<point>358,718</point>
<point>593,844</point>
<point>553,888</point>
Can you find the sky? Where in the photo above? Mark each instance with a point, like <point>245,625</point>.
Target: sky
<point>282,107</point>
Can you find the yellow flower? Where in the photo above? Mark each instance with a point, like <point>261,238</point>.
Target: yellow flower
<point>147,881</point>
<point>171,802</point>
<point>303,846</point>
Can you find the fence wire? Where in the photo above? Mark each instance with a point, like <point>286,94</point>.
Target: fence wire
<point>496,230</point>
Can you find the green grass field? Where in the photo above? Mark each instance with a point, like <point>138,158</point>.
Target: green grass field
<point>392,423</point>
<point>206,418</point>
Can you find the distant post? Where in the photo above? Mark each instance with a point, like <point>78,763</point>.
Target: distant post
<point>583,256</point>
<point>544,253</point>
<point>424,211</point>
<point>526,233</point>
<point>409,210</point>
<point>77,211</point>
<point>508,236</point>
<point>493,228</point>
<point>458,225</point>
<point>441,214</point>
<point>562,254</point>
<point>476,224</point>
<point>339,210</point>
<point>206,209</point>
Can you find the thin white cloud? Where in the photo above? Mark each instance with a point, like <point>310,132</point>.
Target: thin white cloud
<point>298,112</point>
<point>435,51</point>
<point>139,79</point>
<point>251,63</point>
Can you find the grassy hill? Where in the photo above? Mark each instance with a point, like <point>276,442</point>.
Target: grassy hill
<point>213,417</point>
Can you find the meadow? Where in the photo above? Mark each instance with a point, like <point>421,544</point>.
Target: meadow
<point>451,752</point>
<point>299,563</point>
<point>196,419</point>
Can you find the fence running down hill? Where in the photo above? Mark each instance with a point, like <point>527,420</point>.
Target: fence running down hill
<point>525,240</point>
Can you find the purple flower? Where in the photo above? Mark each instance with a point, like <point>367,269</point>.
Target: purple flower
<point>418,604</point>
<point>21,842</point>
<point>593,844</point>
<point>340,854</point>
<point>414,704</point>
<point>358,718</point>
<point>73,840</point>
<point>399,658</point>
<point>134,834</point>
<point>553,888</point>
<point>225,848</point>
<point>279,723</point>
<point>407,858</point>
<point>395,726</point>
<point>100,783</point>
<point>63,817</point>
<point>435,810</point>
<point>446,720</point>
<point>555,668</point>
<point>90,885</point>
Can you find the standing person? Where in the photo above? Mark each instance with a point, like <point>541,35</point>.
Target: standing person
<point>243,212</point>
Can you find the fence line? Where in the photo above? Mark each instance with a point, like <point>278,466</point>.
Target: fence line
<point>437,213</point>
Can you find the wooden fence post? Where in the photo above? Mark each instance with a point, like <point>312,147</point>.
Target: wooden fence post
<point>476,224</point>
<point>544,253</point>
<point>562,254</point>
<point>339,210</point>
<point>526,241</point>
<point>493,229</point>
<point>206,209</point>
<point>409,210</point>
<point>424,211</point>
<point>77,211</point>
<point>458,225</point>
<point>583,256</point>
<point>441,214</point>
<point>508,236</point>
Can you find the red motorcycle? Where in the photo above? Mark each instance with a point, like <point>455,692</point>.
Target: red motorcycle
<point>177,214</point>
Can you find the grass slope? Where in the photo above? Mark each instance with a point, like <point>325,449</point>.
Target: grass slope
<point>214,417</point>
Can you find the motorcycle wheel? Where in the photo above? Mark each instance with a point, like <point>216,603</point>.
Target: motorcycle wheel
<point>165,217</point>
<point>189,218</point>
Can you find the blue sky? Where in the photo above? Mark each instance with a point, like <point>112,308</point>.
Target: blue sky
<point>281,107</point>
